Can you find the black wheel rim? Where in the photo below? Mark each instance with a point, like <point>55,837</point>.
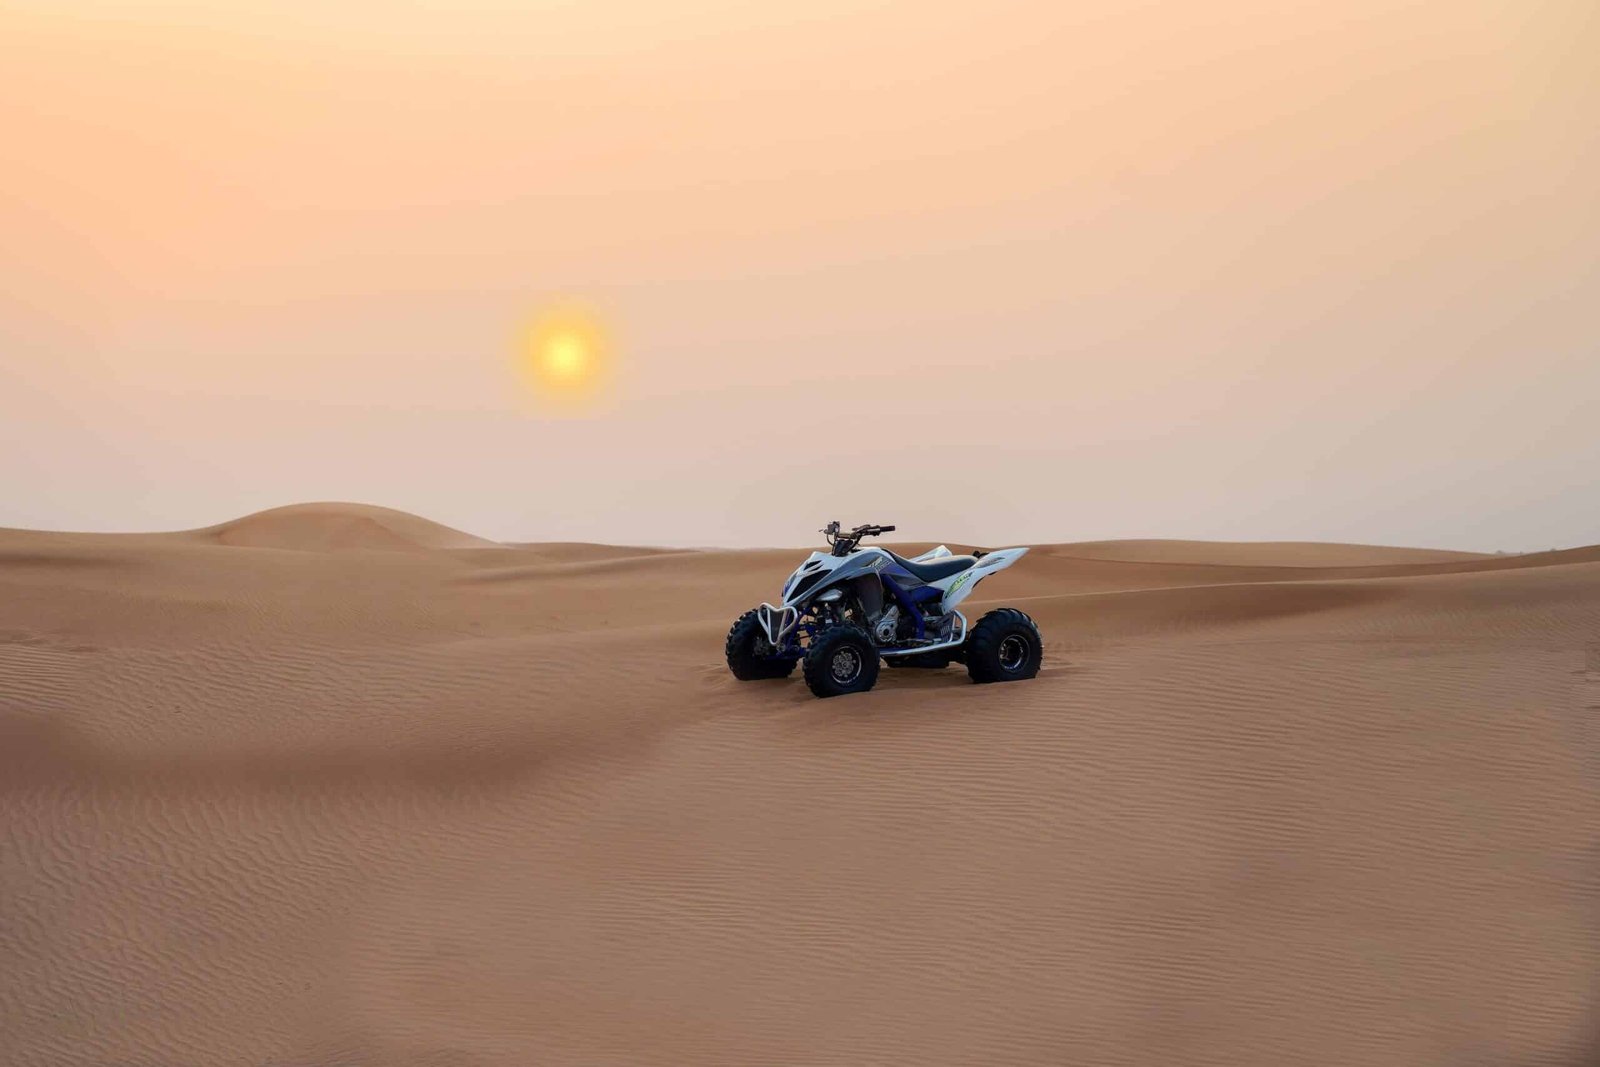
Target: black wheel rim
<point>1013,653</point>
<point>845,665</point>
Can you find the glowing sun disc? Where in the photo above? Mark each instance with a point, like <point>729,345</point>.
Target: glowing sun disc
<point>565,357</point>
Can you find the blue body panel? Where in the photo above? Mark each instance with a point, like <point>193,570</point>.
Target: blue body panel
<point>907,599</point>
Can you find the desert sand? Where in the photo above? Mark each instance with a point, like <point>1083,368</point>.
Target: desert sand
<point>334,784</point>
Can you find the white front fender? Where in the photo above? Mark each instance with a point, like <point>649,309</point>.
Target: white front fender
<point>958,587</point>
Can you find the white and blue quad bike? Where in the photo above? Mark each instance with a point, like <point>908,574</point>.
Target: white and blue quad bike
<point>846,608</point>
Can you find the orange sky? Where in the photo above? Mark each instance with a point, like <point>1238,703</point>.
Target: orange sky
<point>1003,272</point>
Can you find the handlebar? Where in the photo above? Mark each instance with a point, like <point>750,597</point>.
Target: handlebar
<point>842,543</point>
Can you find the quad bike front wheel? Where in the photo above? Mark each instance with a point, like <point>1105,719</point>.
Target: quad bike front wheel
<point>750,655</point>
<point>1004,647</point>
<point>842,659</point>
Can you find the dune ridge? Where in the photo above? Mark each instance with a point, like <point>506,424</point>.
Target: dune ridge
<point>336,784</point>
<point>334,526</point>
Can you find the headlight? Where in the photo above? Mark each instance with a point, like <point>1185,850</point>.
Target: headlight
<point>830,596</point>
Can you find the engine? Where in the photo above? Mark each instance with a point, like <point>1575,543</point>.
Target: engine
<point>887,629</point>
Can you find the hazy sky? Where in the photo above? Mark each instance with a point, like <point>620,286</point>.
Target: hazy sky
<point>994,272</point>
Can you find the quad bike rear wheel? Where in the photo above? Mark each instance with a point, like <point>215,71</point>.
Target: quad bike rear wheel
<point>750,655</point>
<point>1004,647</point>
<point>842,659</point>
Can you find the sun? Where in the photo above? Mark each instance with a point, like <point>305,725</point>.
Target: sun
<point>565,357</point>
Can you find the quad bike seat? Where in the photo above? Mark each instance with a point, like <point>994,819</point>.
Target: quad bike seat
<point>933,570</point>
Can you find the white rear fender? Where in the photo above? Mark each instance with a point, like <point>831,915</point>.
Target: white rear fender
<point>958,587</point>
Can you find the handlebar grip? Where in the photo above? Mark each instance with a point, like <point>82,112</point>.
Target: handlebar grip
<point>885,529</point>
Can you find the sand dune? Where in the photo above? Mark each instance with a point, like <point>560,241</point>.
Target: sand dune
<point>1260,553</point>
<point>336,784</point>
<point>324,527</point>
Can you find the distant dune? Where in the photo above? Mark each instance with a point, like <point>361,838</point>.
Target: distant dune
<point>335,784</point>
<point>1259,553</point>
<point>334,526</point>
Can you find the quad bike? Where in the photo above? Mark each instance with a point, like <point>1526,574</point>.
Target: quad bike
<point>846,608</point>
